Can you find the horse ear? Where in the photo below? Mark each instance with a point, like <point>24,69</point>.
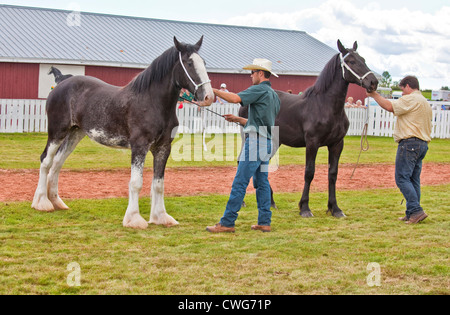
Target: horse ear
<point>178,45</point>
<point>199,44</point>
<point>355,46</point>
<point>341,47</point>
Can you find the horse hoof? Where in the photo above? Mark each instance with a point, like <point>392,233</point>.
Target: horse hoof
<point>339,214</point>
<point>42,204</point>
<point>135,222</point>
<point>306,214</point>
<point>58,204</point>
<point>165,220</point>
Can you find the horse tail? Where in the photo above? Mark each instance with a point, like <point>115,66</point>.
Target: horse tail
<point>243,111</point>
<point>59,111</point>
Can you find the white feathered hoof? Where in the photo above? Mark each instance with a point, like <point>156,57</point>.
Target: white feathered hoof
<point>58,204</point>
<point>42,203</point>
<point>163,219</point>
<point>135,222</point>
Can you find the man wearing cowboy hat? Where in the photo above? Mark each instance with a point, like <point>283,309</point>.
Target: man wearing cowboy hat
<point>264,105</point>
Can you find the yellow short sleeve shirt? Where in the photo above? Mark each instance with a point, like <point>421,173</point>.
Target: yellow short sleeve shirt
<point>414,117</point>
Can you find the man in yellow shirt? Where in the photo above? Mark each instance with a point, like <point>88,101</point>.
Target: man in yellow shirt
<point>413,133</point>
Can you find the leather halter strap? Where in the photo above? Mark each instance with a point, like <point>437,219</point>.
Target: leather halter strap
<point>344,66</point>
<point>197,86</point>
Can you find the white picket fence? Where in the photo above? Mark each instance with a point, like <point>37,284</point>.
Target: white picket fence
<point>194,119</point>
<point>22,116</point>
<point>18,116</point>
<point>381,123</point>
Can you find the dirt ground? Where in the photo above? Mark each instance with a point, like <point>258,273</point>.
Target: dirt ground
<point>19,185</point>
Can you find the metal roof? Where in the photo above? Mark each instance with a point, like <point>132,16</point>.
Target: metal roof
<point>45,36</point>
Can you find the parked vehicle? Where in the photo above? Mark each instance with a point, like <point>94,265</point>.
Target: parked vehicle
<point>440,95</point>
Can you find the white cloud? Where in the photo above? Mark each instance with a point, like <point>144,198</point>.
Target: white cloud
<point>401,41</point>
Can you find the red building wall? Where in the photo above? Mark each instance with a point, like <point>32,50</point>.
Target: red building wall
<point>239,82</point>
<point>111,75</point>
<point>19,80</point>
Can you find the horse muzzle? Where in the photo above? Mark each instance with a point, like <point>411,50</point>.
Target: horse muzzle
<point>370,83</point>
<point>205,96</point>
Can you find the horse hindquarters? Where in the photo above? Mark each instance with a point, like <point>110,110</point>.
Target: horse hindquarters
<point>69,144</point>
<point>40,200</point>
<point>58,130</point>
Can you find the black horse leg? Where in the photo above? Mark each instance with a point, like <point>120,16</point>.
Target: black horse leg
<point>311,154</point>
<point>158,213</point>
<point>334,153</point>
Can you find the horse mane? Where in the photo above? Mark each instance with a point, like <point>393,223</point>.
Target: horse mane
<point>158,69</point>
<point>325,78</point>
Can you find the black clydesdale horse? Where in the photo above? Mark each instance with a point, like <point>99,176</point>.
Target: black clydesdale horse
<point>317,118</point>
<point>140,116</point>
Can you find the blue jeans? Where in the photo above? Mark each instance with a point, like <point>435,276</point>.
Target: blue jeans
<point>253,162</point>
<point>408,167</point>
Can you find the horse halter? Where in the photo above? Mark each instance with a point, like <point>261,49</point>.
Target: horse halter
<point>197,86</point>
<point>344,66</point>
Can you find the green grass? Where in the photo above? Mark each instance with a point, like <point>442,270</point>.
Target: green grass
<point>22,151</point>
<point>321,255</point>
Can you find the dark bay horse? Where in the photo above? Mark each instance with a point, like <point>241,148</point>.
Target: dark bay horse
<point>140,116</point>
<point>317,118</point>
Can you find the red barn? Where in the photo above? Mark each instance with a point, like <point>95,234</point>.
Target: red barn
<point>116,48</point>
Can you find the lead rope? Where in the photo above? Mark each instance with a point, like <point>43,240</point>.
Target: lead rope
<point>202,107</point>
<point>205,148</point>
<point>197,86</point>
<point>203,113</point>
<point>364,141</point>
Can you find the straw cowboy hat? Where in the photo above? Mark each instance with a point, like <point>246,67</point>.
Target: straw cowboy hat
<point>261,64</point>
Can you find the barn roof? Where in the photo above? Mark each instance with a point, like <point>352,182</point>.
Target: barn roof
<point>53,36</point>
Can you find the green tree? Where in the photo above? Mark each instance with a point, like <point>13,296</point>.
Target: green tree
<point>386,79</point>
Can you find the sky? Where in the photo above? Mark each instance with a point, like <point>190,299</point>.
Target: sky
<point>401,37</point>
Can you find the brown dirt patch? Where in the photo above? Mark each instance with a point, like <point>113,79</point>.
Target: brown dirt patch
<point>19,185</point>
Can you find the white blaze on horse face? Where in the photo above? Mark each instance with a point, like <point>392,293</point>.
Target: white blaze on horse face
<point>200,69</point>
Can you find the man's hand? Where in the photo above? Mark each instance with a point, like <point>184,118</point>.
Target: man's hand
<point>371,94</point>
<point>227,96</point>
<point>235,119</point>
<point>384,103</point>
